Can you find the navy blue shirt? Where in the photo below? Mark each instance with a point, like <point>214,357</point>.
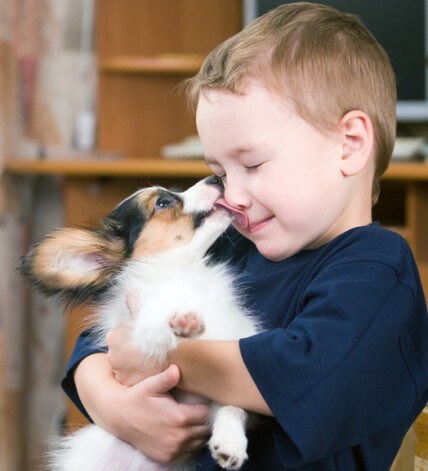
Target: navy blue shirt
<point>343,363</point>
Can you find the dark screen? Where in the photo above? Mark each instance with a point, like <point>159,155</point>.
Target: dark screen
<point>399,26</point>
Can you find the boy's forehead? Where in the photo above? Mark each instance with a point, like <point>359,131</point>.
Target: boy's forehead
<point>256,97</point>
<point>215,100</point>
<point>238,116</point>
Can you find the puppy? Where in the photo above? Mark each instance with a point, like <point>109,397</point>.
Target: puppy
<point>154,246</point>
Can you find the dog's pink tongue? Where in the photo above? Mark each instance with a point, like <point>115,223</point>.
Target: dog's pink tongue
<point>241,217</point>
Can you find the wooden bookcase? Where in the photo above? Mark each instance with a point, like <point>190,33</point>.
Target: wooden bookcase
<point>403,207</point>
<point>145,49</point>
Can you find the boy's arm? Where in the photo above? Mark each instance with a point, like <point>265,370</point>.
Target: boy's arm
<point>211,368</point>
<point>84,346</point>
<point>215,369</point>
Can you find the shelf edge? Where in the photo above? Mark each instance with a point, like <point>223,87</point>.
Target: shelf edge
<point>113,168</point>
<point>163,64</point>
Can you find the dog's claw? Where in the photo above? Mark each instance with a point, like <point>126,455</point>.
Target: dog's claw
<point>228,460</point>
<point>186,325</point>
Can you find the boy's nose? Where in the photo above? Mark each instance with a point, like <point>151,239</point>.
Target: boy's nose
<point>236,195</point>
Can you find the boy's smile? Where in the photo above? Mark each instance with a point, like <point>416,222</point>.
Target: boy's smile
<point>278,169</point>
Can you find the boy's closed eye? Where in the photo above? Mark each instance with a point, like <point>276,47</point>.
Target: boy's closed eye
<point>252,168</point>
<point>247,168</point>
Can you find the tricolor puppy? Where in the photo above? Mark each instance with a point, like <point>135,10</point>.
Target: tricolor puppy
<point>154,246</point>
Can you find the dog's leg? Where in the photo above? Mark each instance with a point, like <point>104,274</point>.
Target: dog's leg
<point>228,442</point>
<point>157,333</point>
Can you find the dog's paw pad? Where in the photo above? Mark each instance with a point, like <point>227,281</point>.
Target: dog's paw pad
<point>186,325</point>
<point>228,456</point>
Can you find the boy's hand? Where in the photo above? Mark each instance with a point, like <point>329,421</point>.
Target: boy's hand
<point>144,415</point>
<point>126,361</point>
<point>154,423</point>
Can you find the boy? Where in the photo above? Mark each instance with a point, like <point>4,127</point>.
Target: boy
<point>297,117</point>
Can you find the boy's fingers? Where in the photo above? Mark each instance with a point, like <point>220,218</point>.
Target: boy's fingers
<point>200,435</point>
<point>196,445</point>
<point>197,415</point>
<point>193,415</point>
<point>163,382</point>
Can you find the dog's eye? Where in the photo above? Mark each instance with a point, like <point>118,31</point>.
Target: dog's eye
<point>164,202</point>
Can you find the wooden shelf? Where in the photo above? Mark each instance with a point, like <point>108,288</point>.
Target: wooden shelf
<point>405,232</point>
<point>161,167</point>
<point>407,171</point>
<point>145,49</point>
<point>111,167</point>
<point>176,64</point>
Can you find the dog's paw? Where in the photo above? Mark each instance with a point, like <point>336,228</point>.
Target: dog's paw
<point>229,449</point>
<point>187,325</point>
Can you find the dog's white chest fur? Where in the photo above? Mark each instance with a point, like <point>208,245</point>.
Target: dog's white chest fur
<point>168,287</point>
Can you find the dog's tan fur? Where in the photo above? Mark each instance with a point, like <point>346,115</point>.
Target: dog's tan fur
<point>165,235</point>
<point>56,248</point>
<point>165,229</point>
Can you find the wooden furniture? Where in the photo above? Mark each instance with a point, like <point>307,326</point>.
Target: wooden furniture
<point>145,49</point>
<point>421,441</point>
<point>111,168</point>
<point>403,206</point>
<point>11,423</point>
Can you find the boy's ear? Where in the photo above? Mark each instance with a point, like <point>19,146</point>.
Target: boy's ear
<point>357,142</point>
<point>73,263</point>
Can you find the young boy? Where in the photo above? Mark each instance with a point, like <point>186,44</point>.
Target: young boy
<point>297,117</point>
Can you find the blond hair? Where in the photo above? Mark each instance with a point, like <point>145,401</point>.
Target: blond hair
<point>325,62</point>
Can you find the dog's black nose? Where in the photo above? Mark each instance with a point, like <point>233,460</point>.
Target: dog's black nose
<point>214,180</point>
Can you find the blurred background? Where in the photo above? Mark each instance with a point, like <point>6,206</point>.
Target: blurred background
<point>46,78</point>
<point>89,111</point>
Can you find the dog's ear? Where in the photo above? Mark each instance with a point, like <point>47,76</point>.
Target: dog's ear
<point>75,264</point>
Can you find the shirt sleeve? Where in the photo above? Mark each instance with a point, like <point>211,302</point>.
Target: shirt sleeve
<point>340,372</point>
<point>86,345</point>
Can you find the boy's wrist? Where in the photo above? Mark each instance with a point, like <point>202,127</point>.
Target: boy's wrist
<point>96,387</point>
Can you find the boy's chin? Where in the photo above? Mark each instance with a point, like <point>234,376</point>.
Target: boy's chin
<point>275,254</point>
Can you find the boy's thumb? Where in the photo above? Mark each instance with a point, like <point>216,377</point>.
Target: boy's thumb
<point>165,381</point>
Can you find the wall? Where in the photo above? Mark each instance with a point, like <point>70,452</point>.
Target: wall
<point>45,82</point>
